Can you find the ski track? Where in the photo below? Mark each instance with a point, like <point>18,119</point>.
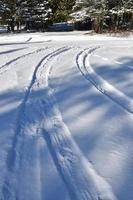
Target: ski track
<point>25,139</point>
<point>6,65</point>
<point>82,61</point>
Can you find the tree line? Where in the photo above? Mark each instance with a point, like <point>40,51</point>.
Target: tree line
<point>34,14</point>
<point>109,15</point>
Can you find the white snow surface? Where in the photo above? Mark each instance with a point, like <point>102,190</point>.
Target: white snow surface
<point>66,117</point>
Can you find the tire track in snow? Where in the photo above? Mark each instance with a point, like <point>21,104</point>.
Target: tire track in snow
<point>12,50</point>
<point>29,39</point>
<point>6,65</point>
<point>82,181</point>
<point>79,176</point>
<point>102,85</point>
<point>26,137</point>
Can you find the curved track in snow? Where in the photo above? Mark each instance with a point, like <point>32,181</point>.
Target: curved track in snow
<point>11,51</point>
<point>39,116</point>
<point>25,138</point>
<point>5,66</point>
<point>102,85</point>
<point>66,132</point>
<point>80,178</point>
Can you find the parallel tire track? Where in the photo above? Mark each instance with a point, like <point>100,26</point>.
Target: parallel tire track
<point>6,65</point>
<point>78,174</point>
<point>40,116</point>
<point>17,155</point>
<point>83,64</point>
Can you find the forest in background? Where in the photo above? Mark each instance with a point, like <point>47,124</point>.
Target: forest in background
<point>34,14</point>
<point>99,15</point>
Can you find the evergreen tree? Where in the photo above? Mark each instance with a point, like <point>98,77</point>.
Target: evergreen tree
<point>35,13</point>
<point>61,9</point>
<point>1,7</point>
<point>7,12</point>
<point>114,14</point>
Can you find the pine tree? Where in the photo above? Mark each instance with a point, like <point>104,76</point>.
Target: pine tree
<point>7,12</point>
<point>1,9</point>
<point>114,14</point>
<point>42,13</point>
<point>61,9</point>
<point>34,13</point>
<point>1,6</point>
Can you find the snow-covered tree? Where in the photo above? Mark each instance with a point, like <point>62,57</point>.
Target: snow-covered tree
<point>112,14</point>
<point>31,12</point>
<point>7,12</point>
<point>34,12</point>
<point>61,9</point>
<point>1,9</point>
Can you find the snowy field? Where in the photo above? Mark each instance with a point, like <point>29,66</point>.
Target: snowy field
<point>66,117</point>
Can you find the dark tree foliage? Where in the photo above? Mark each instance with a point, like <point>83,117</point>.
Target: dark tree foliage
<point>61,9</point>
<point>8,12</point>
<point>34,13</point>
<point>110,15</point>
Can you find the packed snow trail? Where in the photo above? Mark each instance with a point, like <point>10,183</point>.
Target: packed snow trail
<point>103,86</point>
<point>61,115</point>
<point>24,139</point>
<point>78,174</point>
<point>82,181</point>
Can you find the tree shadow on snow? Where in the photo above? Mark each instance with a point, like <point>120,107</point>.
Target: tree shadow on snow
<point>30,148</point>
<point>120,75</point>
<point>101,128</point>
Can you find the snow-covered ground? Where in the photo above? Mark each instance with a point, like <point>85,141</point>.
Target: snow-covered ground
<point>66,117</point>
